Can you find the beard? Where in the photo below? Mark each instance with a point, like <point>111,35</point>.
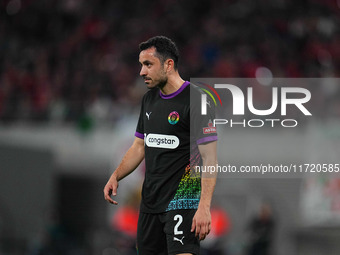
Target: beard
<point>162,82</point>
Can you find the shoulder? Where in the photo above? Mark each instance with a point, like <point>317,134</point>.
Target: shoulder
<point>195,93</point>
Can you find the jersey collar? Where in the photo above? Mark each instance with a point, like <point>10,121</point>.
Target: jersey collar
<point>172,95</point>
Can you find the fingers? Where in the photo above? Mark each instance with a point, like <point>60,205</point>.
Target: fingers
<point>108,191</point>
<point>198,230</point>
<point>193,225</point>
<point>113,190</point>
<point>202,230</point>
<point>205,231</point>
<point>201,225</point>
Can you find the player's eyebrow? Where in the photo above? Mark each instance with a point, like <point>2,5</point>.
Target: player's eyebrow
<point>145,62</point>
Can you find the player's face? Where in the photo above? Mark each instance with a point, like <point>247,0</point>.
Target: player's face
<point>152,70</point>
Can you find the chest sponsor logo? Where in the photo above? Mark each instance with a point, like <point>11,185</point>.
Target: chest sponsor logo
<point>162,141</point>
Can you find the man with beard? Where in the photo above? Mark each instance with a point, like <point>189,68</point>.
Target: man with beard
<point>175,207</point>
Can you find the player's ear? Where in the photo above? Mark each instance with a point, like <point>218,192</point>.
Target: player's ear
<point>169,65</point>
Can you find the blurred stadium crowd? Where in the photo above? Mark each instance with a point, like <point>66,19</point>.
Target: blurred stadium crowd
<point>66,59</point>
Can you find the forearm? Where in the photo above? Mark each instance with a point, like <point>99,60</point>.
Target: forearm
<point>208,180</point>
<point>132,158</point>
<point>130,161</point>
<point>201,222</point>
<point>208,183</point>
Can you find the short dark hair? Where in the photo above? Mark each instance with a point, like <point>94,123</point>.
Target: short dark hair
<point>165,48</point>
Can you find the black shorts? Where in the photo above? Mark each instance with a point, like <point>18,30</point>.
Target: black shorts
<point>167,233</point>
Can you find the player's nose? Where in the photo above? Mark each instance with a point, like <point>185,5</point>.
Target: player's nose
<point>142,71</point>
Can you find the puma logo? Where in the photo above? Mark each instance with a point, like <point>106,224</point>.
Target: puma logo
<point>179,240</point>
<point>148,115</point>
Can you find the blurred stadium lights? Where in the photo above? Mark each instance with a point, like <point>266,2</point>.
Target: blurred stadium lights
<point>264,76</point>
<point>13,7</point>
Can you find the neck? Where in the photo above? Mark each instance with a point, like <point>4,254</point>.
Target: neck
<point>173,84</point>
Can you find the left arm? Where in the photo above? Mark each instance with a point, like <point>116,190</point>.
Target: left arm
<point>202,219</point>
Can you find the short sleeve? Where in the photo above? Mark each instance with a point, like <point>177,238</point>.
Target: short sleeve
<point>201,125</point>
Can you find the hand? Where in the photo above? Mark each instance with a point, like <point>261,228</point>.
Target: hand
<point>201,222</point>
<point>111,189</point>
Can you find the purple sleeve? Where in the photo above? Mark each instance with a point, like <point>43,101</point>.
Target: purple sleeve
<point>139,135</point>
<point>207,139</point>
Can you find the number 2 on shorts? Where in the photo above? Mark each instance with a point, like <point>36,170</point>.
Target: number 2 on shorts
<point>178,218</point>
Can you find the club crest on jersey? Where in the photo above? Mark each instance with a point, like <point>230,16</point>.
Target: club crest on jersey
<point>173,117</point>
<point>210,129</point>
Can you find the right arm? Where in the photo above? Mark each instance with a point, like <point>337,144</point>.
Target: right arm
<point>129,163</point>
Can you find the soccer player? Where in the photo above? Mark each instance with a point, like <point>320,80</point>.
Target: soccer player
<point>175,208</point>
